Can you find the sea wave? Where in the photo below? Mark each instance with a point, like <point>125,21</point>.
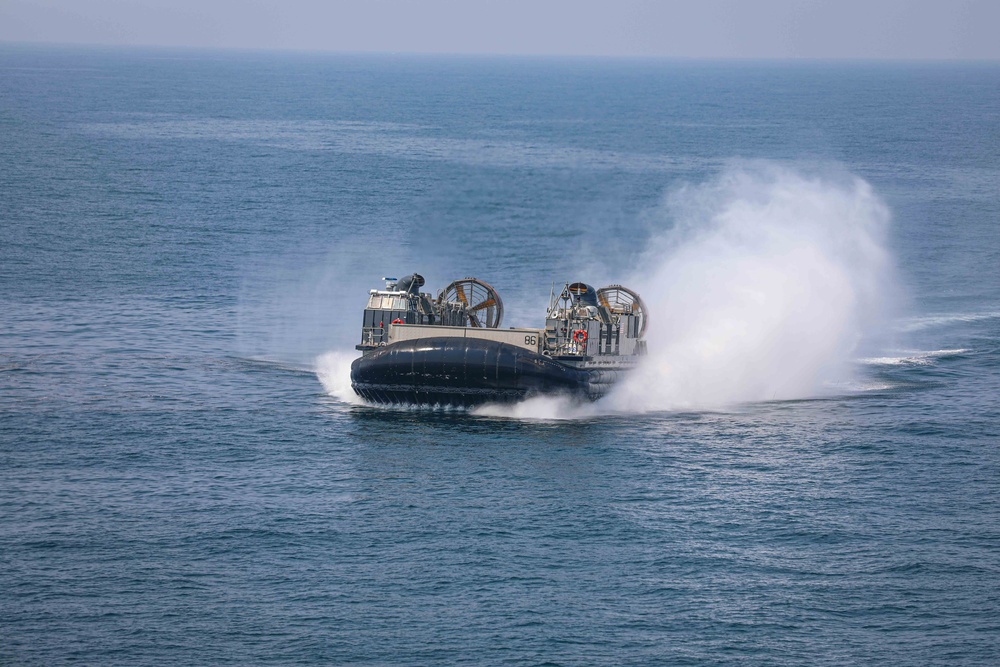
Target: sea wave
<point>913,358</point>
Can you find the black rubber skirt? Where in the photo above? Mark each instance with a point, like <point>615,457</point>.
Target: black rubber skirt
<point>467,372</point>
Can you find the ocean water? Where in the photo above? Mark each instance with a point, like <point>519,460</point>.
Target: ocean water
<point>806,471</point>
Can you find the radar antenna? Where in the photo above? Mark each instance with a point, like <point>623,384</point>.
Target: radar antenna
<point>623,301</point>
<point>481,301</point>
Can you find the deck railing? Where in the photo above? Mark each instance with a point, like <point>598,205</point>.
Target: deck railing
<point>373,336</point>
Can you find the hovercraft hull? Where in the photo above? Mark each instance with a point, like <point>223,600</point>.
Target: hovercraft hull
<point>469,371</point>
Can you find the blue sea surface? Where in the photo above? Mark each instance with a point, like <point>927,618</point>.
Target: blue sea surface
<point>183,233</point>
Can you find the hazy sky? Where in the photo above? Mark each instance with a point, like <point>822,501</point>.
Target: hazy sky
<point>938,29</point>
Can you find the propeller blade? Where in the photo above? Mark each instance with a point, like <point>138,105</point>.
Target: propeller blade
<point>490,302</point>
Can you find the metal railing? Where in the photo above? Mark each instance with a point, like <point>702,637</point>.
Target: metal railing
<point>373,336</point>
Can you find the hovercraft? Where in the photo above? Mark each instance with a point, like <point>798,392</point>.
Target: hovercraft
<point>451,351</point>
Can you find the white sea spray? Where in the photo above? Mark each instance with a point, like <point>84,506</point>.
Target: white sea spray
<point>766,284</point>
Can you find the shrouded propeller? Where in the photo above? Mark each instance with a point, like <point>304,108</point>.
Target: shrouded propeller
<point>481,301</point>
<point>623,301</point>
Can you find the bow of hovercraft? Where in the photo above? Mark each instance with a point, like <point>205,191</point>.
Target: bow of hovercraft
<point>451,351</point>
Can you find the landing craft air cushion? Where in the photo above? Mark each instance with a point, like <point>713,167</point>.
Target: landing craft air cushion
<point>450,350</point>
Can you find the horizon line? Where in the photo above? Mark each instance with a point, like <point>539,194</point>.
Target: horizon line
<point>487,54</point>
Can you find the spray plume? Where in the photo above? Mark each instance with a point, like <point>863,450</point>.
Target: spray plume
<point>765,286</point>
<point>334,371</point>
